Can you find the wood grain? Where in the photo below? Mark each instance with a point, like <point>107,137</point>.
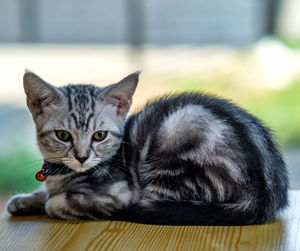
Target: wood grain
<point>42,233</point>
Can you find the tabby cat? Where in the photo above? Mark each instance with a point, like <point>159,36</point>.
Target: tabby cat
<point>184,159</point>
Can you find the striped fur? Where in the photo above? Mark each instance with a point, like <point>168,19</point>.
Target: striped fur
<point>182,159</point>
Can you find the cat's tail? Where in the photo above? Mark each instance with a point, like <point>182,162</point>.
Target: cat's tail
<point>187,213</point>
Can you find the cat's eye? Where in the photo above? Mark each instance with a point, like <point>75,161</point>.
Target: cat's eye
<point>100,135</point>
<point>63,135</point>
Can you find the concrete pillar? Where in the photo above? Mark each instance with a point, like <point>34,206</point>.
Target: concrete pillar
<point>29,21</point>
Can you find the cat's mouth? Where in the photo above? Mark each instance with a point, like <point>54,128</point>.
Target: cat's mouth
<point>93,163</point>
<point>78,166</point>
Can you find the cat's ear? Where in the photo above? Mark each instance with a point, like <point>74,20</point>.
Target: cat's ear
<point>40,94</point>
<point>120,94</point>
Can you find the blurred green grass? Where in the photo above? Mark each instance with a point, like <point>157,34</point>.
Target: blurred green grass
<point>280,110</point>
<point>17,172</point>
<point>293,43</point>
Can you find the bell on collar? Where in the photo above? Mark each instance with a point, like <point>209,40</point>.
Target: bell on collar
<point>43,173</point>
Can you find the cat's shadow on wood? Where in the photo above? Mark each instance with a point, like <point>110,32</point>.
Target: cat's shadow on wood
<point>277,222</point>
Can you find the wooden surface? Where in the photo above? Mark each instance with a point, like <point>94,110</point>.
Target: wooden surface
<point>41,233</point>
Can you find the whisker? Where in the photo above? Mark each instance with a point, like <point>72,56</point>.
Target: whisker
<point>109,175</point>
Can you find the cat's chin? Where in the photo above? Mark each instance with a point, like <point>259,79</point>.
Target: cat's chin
<point>80,168</point>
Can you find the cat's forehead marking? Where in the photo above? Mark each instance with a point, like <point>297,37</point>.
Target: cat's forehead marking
<point>81,100</point>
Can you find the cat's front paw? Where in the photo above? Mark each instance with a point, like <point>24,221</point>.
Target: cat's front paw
<point>57,207</point>
<point>22,205</point>
<point>64,207</point>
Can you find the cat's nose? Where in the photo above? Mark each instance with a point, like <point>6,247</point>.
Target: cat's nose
<point>81,159</point>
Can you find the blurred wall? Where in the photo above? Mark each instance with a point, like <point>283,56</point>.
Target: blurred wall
<point>237,22</point>
<point>9,21</point>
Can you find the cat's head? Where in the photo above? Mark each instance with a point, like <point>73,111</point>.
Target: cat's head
<point>79,125</point>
